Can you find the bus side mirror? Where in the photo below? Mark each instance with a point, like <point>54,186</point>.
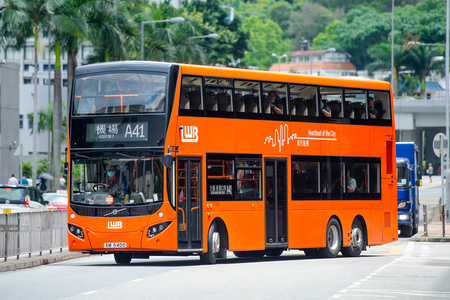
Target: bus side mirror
<point>66,169</point>
<point>168,160</point>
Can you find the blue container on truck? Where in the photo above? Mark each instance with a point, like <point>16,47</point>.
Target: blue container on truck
<point>408,182</point>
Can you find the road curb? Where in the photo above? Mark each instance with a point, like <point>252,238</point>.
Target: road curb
<point>433,239</point>
<point>18,264</point>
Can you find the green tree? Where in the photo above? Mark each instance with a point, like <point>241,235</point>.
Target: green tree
<point>280,12</point>
<point>46,123</point>
<point>63,19</point>
<point>21,19</point>
<point>423,61</point>
<point>27,169</point>
<point>308,23</point>
<point>111,31</point>
<point>264,40</point>
<point>381,53</point>
<point>232,42</point>
<point>410,85</point>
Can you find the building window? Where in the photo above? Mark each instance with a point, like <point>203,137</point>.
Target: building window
<point>30,123</point>
<point>28,53</point>
<point>21,121</point>
<point>12,54</point>
<point>29,80</point>
<point>64,82</point>
<point>86,51</point>
<point>46,67</point>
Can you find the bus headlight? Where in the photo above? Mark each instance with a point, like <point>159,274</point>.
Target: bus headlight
<point>156,229</point>
<point>403,217</point>
<point>76,231</point>
<point>402,204</point>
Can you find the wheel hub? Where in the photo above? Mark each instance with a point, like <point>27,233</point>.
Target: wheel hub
<point>216,242</point>
<point>356,237</point>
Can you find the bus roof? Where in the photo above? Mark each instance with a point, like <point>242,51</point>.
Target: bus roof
<point>233,73</point>
<point>124,66</point>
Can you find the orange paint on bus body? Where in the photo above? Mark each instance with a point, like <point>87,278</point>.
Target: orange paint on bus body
<point>245,220</point>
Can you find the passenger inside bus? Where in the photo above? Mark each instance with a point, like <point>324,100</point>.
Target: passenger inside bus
<point>275,104</point>
<point>324,108</point>
<point>373,113</point>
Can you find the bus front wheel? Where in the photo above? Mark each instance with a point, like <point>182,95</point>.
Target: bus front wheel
<point>210,256</point>
<point>122,258</point>
<point>333,240</point>
<point>357,241</point>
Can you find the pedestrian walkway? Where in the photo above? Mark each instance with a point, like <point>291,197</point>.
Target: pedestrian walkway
<point>434,227</point>
<point>13,263</point>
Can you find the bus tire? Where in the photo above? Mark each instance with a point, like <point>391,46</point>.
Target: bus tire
<point>333,240</point>
<point>311,253</point>
<point>256,253</point>
<point>240,254</point>
<point>357,241</point>
<point>274,252</point>
<point>122,258</point>
<point>210,256</point>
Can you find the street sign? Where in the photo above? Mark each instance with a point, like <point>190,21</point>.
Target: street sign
<point>437,144</point>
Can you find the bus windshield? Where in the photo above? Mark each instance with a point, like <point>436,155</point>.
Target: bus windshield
<point>117,181</point>
<point>119,93</point>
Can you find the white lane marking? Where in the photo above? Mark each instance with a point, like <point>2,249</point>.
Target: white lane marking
<point>356,284</point>
<point>89,293</point>
<point>137,280</point>
<point>425,251</point>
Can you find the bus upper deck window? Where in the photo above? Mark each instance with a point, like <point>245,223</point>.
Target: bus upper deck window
<point>120,93</point>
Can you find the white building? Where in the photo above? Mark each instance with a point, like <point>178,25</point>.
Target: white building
<point>46,64</point>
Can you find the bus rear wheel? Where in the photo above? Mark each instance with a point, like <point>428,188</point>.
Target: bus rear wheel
<point>357,241</point>
<point>122,258</point>
<point>311,253</point>
<point>274,252</point>
<point>333,240</point>
<point>210,256</point>
<point>240,253</point>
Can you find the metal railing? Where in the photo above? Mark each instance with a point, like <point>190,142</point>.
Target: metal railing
<point>27,233</point>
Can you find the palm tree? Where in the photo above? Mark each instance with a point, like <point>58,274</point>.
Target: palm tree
<point>110,30</point>
<point>381,53</point>
<point>422,61</point>
<point>63,20</point>
<point>21,19</point>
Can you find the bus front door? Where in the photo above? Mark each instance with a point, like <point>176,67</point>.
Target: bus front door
<point>276,203</point>
<point>189,210</point>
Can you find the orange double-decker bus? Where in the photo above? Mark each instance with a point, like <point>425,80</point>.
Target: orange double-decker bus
<point>173,159</point>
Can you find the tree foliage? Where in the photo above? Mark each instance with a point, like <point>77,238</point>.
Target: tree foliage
<point>264,40</point>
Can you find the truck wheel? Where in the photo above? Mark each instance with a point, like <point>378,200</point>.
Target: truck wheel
<point>407,231</point>
<point>357,241</point>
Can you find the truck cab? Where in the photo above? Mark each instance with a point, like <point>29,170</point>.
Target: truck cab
<point>408,181</point>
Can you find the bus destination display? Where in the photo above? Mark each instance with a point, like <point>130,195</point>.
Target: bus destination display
<point>117,132</point>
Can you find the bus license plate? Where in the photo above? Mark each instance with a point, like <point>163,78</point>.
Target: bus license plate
<point>115,245</point>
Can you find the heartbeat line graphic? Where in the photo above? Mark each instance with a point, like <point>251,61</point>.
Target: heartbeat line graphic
<point>282,137</point>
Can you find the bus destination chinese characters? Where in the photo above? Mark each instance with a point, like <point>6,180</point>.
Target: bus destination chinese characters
<point>106,132</point>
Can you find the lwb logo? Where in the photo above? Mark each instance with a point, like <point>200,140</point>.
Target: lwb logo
<point>114,224</point>
<point>189,134</point>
